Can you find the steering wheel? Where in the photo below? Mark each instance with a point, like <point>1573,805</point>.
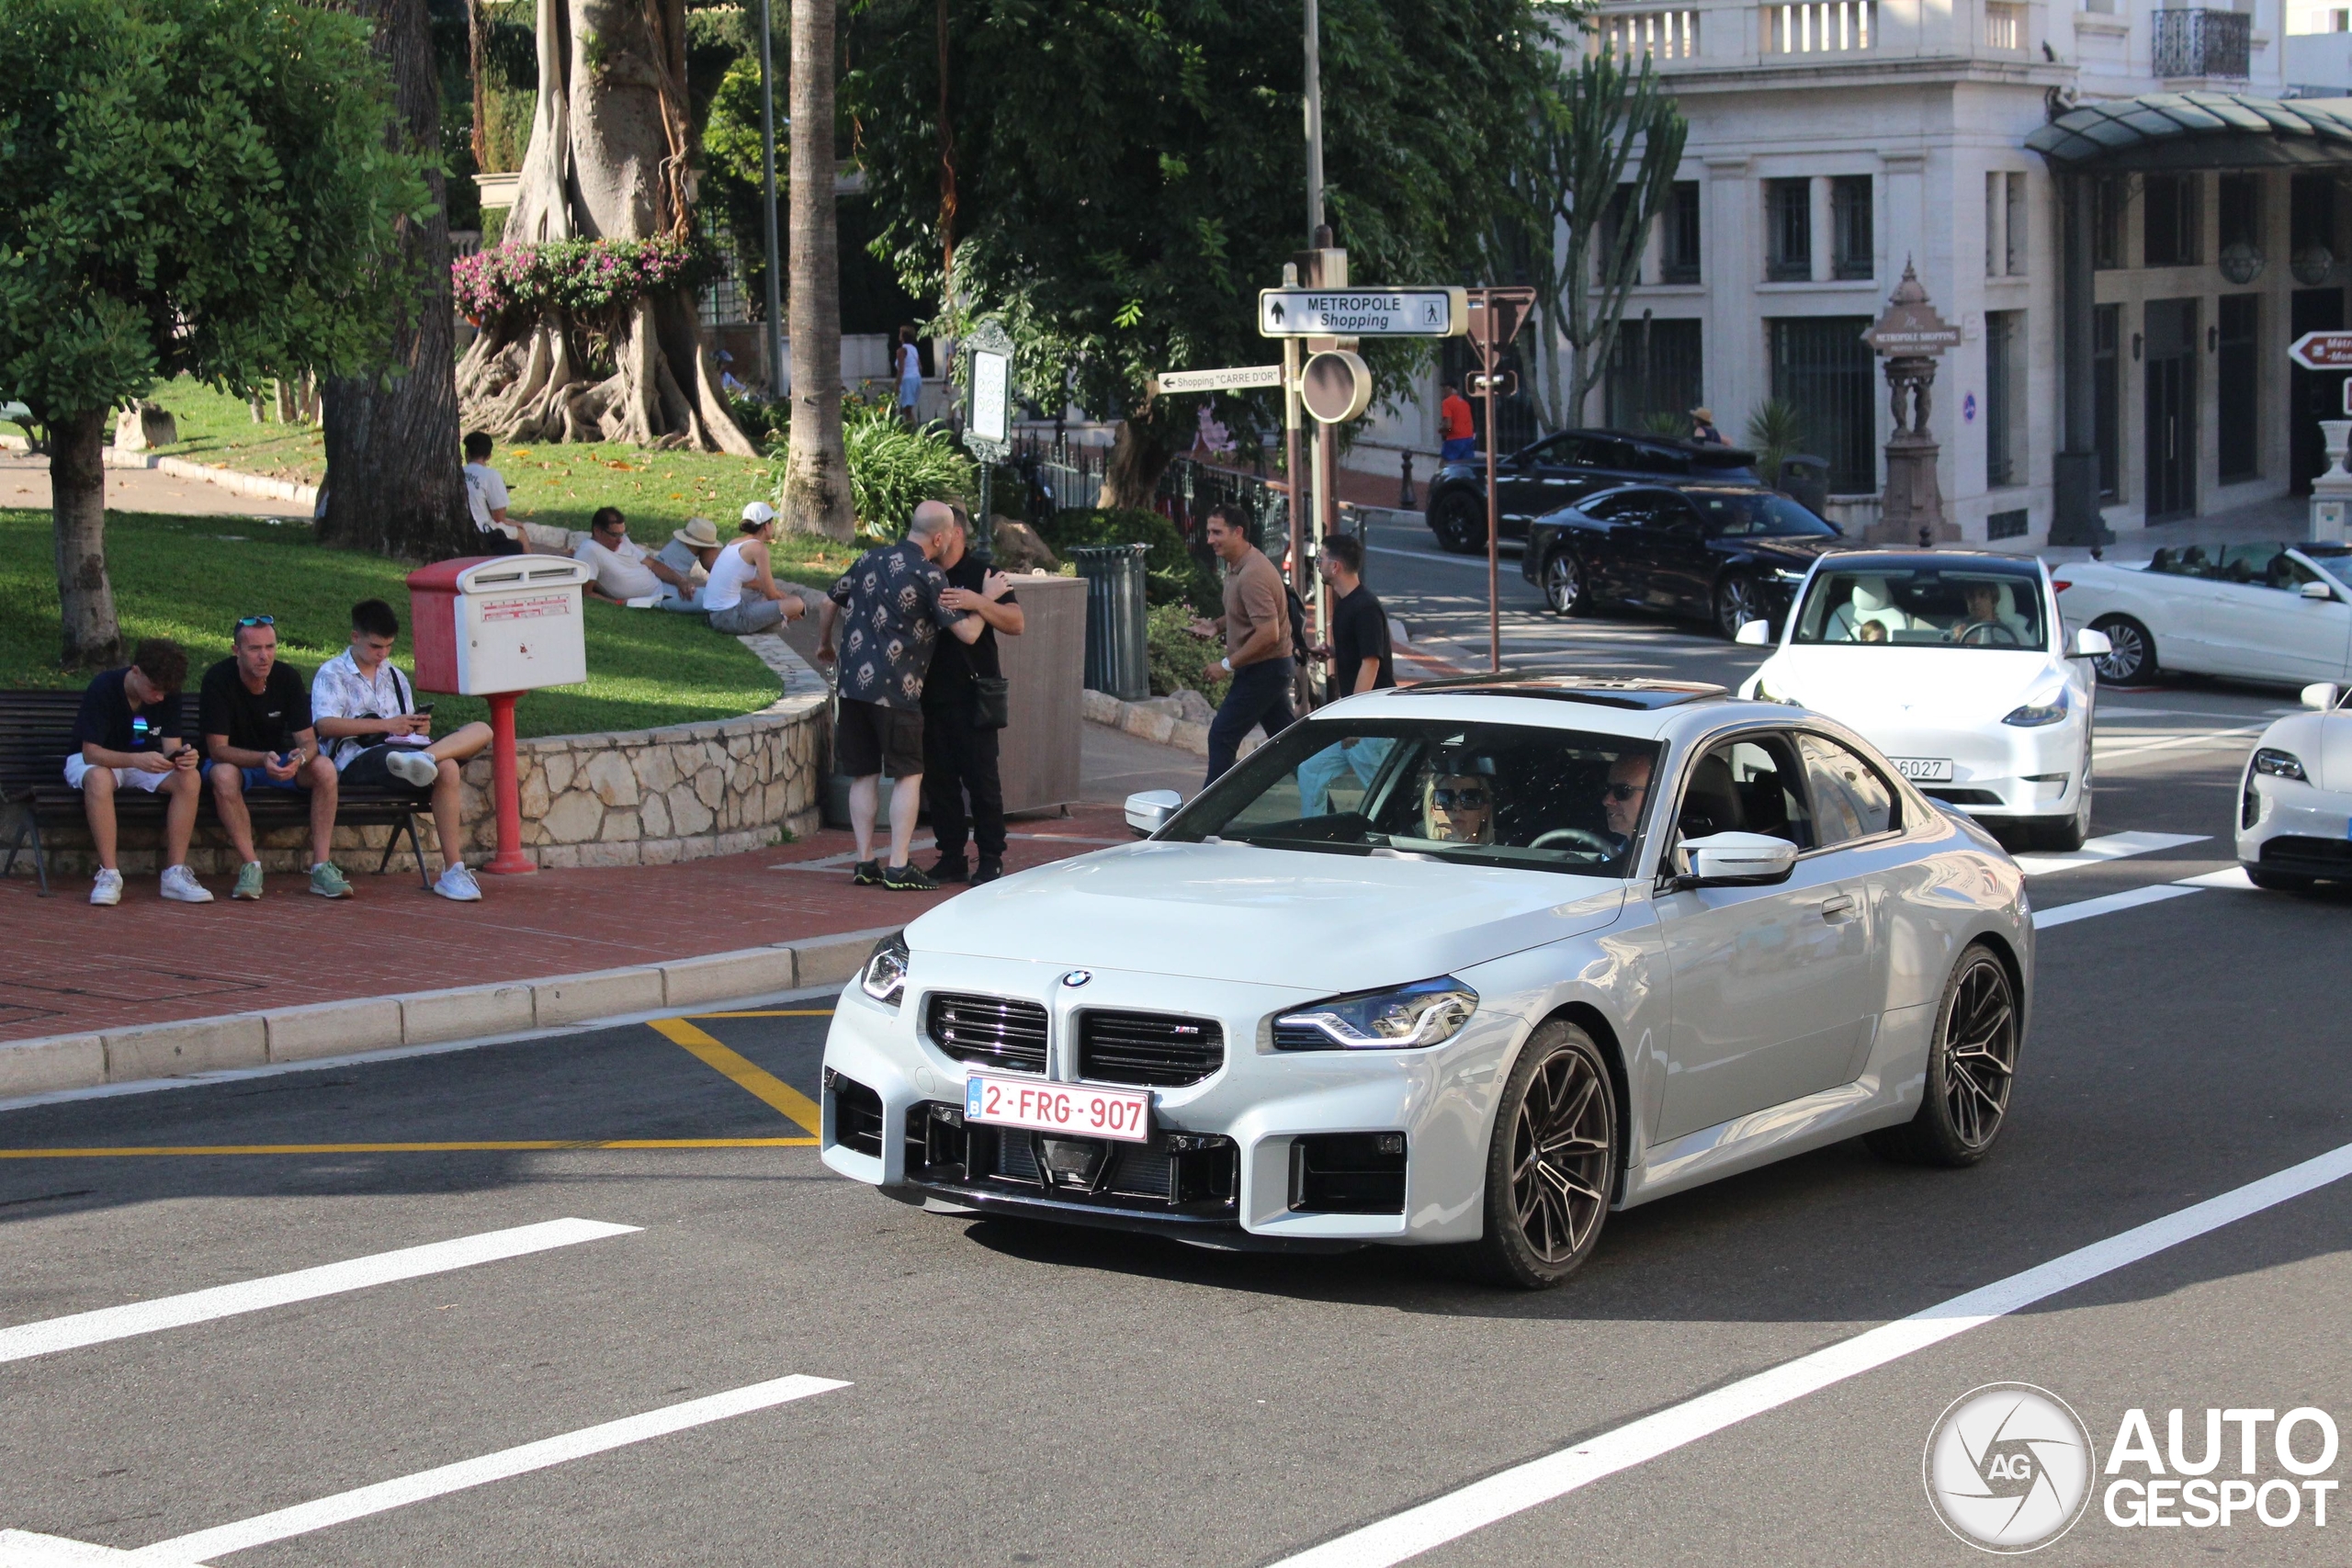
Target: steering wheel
<point>1988,634</point>
<point>1576,836</point>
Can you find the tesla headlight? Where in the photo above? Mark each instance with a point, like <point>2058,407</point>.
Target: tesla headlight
<point>2278,764</point>
<point>885,975</point>
<point>1765,693</point>
<point>1422,1013</point>
<point>2033,714</point>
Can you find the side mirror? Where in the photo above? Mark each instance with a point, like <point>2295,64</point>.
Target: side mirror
<point>1735,859</point>
<point>2319,591</point>
<point>2320,694</point>
<point>1148,811</point>
<point>1754,634</point>
<point>2089,644</point>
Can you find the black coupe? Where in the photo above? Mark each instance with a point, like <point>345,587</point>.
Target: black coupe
<point>1562,469</point>
<point>1723,553</point>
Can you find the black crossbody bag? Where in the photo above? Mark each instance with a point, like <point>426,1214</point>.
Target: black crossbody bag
<point>991,702</point>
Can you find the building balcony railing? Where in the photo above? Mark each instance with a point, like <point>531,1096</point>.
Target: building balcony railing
<point>2203,43</point>
<point>1820,27</point>
<point>2004,26</point>
<point>1665,35</point>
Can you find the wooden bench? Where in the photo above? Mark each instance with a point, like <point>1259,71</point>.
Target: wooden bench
<point>37,733</point>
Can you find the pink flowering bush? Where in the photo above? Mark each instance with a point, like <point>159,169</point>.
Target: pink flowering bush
<point>583,277</point>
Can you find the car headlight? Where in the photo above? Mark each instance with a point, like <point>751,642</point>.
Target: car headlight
<point>1766,693</point>
<point>2032,715</point>
<point>885,975</point>
<point>1422,1013</point>
<point>2278,764</point>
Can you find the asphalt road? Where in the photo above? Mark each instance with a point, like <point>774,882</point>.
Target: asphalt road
<point>1027,1395</point>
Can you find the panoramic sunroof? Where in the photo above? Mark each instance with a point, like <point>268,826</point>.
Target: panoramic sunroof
<point>1600,690</point>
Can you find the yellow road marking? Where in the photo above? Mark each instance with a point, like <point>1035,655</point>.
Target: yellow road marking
<point>795,1106</point>
<point>770,1012</point>
<point>499,1146</point>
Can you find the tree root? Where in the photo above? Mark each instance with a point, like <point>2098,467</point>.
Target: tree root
<point>531,385</point>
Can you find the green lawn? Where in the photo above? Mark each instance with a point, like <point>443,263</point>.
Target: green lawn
<point>189,579</point>
<point>559,485</point>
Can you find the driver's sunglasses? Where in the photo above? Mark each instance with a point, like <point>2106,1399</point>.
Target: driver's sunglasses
<point>245,621</point>
<point>1456,800</point>
<point>1622,792</point>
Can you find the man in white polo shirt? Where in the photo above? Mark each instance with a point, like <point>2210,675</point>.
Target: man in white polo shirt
<point>625,570</point>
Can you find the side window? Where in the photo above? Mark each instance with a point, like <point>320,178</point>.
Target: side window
<point>1629,506</point>
<point>1591,453</point>
<point>2254,566</point>
<point>1749,786</point>
<point>1673,511</point>
<point>1850,799</point>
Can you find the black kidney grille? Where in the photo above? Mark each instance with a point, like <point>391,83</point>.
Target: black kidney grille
<point>994,1031</point>
<point>1157,1049</point>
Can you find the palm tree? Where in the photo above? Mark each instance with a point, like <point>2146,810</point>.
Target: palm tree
<point>816,476</point>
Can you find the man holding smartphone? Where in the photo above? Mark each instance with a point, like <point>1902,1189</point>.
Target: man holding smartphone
<point>376,734</point>
<point>127,736</point>
<point>255,716</point>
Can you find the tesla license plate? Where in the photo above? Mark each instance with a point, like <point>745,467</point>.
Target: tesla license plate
<point>1924,770</point>
<point>1059,1108</point>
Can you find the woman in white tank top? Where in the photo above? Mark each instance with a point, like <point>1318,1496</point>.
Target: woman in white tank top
<point>741,595</point>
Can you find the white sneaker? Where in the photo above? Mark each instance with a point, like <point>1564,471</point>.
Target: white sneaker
<point>108,889</point>
<point>412,768</point>
<point>181,886</point>
<point>457,883</point>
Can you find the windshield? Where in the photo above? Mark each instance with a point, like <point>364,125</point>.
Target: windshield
<point>1970,606</point>
<point>2334,560</point>
<point>1733,514</point>
<point>1477,794</point>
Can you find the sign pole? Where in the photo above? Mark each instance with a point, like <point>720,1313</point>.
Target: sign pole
<point>1292,464</point>
<point>505,792</point>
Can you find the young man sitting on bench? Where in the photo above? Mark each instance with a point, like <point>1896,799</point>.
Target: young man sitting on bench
<point>255,714</point>
<point>128,736</point>
<point>376,734</point>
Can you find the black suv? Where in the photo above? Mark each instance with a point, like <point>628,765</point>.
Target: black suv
<point>1727,553</point>
<point>1562,469</point>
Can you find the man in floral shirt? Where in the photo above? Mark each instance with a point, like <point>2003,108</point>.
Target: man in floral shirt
<point>887,605</point>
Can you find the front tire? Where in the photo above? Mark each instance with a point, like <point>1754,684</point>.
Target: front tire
<point>1552,1165</point>
<point>1737,601</point>
<point>1971,1068</point>
<point>1564,583</point>
<point>1459,521</point>
<point>2132,660</point>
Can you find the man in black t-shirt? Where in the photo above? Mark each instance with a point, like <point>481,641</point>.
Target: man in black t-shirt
<point>1361,660</point>
<point>255,715</point>
<point>959,750</point>
<point>127,736</point>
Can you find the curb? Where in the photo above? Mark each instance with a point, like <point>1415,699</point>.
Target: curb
<point>158,1053</point>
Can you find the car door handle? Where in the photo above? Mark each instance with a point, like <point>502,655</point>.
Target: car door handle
<point>1838,907</point>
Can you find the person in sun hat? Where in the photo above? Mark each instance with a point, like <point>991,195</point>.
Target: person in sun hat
<point>1702,428</point>
<point>688,556</point>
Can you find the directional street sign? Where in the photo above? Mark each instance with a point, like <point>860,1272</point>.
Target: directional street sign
<point>1362,313</point>
<point>2322,351</point>
<point>1230,378</point>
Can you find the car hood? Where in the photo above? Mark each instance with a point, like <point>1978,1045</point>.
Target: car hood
<point>1272,917</point>
<point>1797,551</point>
<point>2322,742</point>
<point>1965,687</point>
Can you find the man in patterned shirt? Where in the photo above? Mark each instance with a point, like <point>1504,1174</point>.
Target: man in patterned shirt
<point>889,608</point>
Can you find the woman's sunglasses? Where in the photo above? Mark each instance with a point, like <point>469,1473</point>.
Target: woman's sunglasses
<point>1447,799</point>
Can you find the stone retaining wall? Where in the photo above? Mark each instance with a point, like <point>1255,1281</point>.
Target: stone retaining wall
<point>623,798</point>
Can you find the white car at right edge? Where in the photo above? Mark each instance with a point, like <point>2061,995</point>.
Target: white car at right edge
<point>2272,611</point>
<point>2295,802</point>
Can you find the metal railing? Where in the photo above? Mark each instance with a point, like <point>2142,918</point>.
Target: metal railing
<point>1821,27</point>
<point>2203,43</point>
<point>1664,35</point>
<point>2003,24</point>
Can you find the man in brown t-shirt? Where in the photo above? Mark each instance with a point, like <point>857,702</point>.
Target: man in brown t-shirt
<point>1256,642</point>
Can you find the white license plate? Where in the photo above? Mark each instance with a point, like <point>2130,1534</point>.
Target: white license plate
<point>1079,1109</point>
<point>1924,770</point>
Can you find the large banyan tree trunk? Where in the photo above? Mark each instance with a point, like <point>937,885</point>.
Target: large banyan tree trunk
<point>393,482</point>
<point>610,159</point>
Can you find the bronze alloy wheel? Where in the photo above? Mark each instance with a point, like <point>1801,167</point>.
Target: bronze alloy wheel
<point>1972,1068</point>
<point>1552,1169</point>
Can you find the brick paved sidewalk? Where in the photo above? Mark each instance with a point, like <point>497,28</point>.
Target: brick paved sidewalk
<point>74,967</point>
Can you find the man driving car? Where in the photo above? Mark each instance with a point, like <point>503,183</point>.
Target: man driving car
<point>1622,797</point>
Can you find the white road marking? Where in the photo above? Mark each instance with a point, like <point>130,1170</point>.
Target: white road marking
<point>442,1480</point>
<point>305,1284</point>
<point>2214,738</point>
<point>1510,550</point>
<point>2131,899</point>
<point>2232,877</point>
<point>2113,846</point>
<point>1524,1487</point>
<point>22,1549</point>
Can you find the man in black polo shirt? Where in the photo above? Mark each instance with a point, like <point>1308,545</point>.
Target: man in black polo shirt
<point>255,715</point>
<point>126,737</point>
<point>1361,660</point>
<point>959,737</point>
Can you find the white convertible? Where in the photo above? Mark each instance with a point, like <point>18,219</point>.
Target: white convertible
<point>1954,664</point>
<point>2278,613</point>
<point>1467,963</point>
<point>2295,802</point>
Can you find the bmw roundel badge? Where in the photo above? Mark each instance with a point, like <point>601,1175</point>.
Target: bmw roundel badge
<point>1078,977</point>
